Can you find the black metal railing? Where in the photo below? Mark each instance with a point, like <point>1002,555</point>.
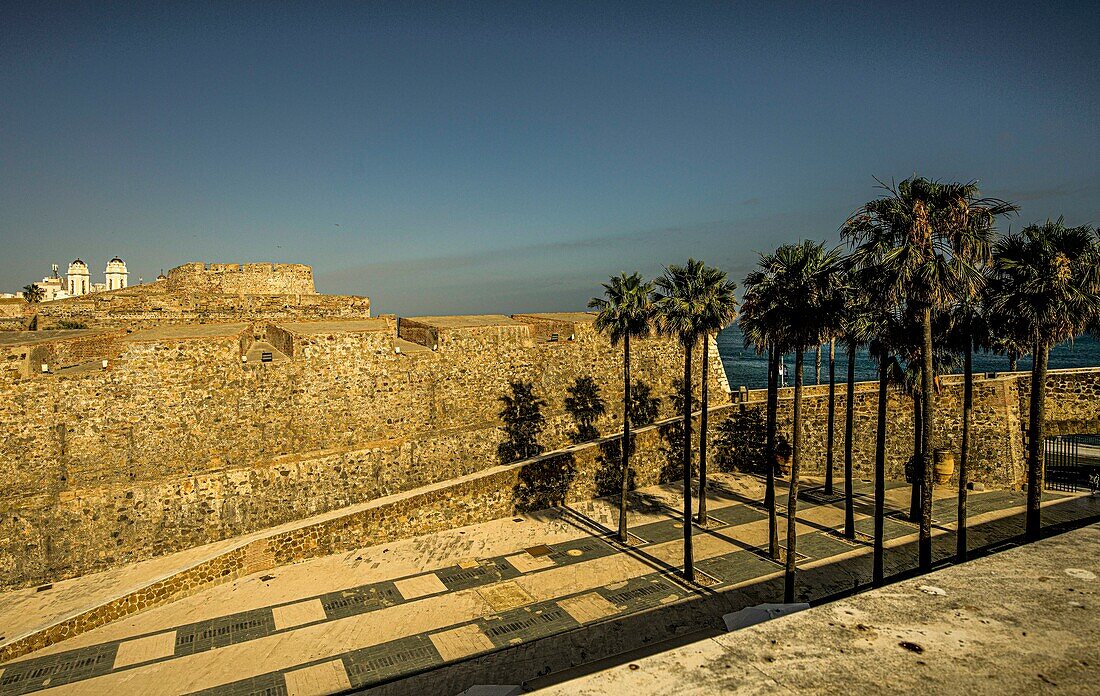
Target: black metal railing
<point>1070,465</point>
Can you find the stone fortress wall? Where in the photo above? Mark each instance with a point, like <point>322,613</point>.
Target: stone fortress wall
<point>189,436</point>
<point>178,442</point>
<point>242,279</point>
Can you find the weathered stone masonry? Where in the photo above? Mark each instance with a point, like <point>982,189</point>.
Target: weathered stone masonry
<point>998,425</point>
<point>196,293</point>
<point>178,443</point>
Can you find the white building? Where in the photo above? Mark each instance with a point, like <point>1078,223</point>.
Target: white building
<point>116,274</point>
<point>53,287</point>
<point>80,281</point>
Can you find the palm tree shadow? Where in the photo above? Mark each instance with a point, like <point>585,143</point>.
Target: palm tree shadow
<point>610,537</point>
<point>644,409</point>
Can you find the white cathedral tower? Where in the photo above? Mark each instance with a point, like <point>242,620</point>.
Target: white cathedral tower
<point>79,279</point>
<point>116,274</point>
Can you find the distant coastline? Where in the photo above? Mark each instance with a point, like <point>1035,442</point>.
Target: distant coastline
<point>745,368</point>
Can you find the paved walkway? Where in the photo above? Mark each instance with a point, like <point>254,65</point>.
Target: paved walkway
<point>1020,622</point>
<point>372,615</point>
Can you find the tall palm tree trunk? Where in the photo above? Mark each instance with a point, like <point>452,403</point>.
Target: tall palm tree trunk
<point>880,472</point>
<point>626,438</point>
<point>689,569</point>
<point>926,443</point>
<point>792,493</point>
<point>703,437</point>
<point>849,425</point>
<point>968,406</point>
<point>830,428</point>
<point>817,370</point>
<point>918,432</point>
<point>1035,440</point>
<point>773,407</point>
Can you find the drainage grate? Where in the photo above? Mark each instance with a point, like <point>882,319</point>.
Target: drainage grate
<point>637,593</point>
<point>360,601</point>
<point>231,628</point>
<point>386,663</point>
<point>549,616</point>
<point>34,671</point>
<point>472,574</point>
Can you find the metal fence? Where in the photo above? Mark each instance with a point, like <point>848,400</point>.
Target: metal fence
<point>1071,463</point>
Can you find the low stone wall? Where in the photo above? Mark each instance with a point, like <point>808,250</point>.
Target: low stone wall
<point>998,427</point>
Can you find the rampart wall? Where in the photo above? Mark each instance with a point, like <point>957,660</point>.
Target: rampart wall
<point>156,304</point>
<point>242,278</point>
<point>998,426</point>
<point>178,443</point>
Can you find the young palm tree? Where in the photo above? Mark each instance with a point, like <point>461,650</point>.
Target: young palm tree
<point>1008,335</point>
<point>1046,277</point>
<point>914,238</point>
<point>855,331</point>
<point>804,281</point>
<point>679,301</point>
<point>968,330</point>
<point>830,426</point>
<point>33,294</point>
<point>719,309</point>
<point>881,350</point>
<point>624,312</point>
<point>759,322</point>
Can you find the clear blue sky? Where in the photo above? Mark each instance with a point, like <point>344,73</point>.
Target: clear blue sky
<point>483,157</point>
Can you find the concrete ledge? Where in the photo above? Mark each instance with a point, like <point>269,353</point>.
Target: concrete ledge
<point>1021,621</point>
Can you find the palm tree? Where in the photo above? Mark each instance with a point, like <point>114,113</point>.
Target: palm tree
<point>760,325</point>
<point>804,281</point>
<point>1047,278</point>
<point>830,426</point>
<point>679,300</point>
<point>33,294</point>
<point>968,330</point>
<point>881,348</point>
<point>855,331</point>
<point>917,238</point>
<point>625,312</point>
<point>719,308</point>
<point>1008,337</point>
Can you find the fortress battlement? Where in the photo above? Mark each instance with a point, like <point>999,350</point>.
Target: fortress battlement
<point>243,279</point>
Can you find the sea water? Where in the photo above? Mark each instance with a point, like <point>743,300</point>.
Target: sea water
<point>745,368</point>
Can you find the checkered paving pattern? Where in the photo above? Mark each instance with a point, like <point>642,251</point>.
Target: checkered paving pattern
<point>518,617</point>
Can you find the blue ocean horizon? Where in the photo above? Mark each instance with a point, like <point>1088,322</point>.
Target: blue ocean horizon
<point>744,368</point>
